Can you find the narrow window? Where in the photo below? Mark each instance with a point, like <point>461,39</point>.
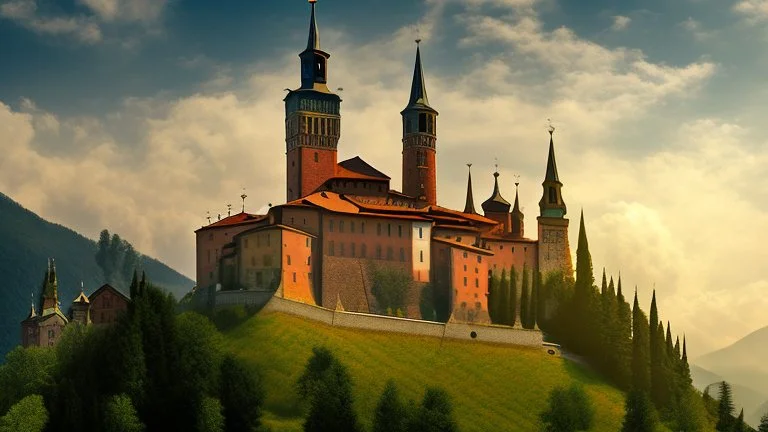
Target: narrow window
<point>378,228</point>
<point>288,259</point>
<point>294,276</point>
<point>341,226</point>
<point>309,260</point>
<point>422,122</point>
<point>378,251</point>
<point>352,250</point>
<point>341,249</point>
<point>477,284</point>
<point>389,230</point>
<point>307,241</point>
<point>330,225</point>
<point>421,232</point>
<point>390,253</point>
<point>245,245</point>
<point>399,230</point>
<point>421,256</point>
<point>552,195</point>
<point>465,267</point>
<point>352,226</point>
<point>465,281</point>
<point>479,259</point>
<point>362,227</point>
<point>465,255</point>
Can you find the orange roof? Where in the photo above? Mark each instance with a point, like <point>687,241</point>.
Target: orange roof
<point>238,219</point>
<point>458,227</point>
<point>469,216</point>
<point>331,201</point>
<point>464,246</point>
<point>394,216</point>
<point>276,226</point>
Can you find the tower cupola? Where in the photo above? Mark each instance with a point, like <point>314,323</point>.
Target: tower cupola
<point>551,204</point>
<point>497,208</point>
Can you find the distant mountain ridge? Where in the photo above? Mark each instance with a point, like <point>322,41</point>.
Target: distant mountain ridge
<point>743,365</point>
<point>26,243</point>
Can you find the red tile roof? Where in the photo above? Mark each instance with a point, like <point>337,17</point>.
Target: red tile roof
<point>359,166</point>
<point>238,219</point>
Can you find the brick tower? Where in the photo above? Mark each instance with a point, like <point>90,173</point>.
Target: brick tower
<point>554,250</point>
<point>312,122</point>
<point>419,141</point>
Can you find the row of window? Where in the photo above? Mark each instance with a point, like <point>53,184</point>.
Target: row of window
<point>332,224</point>
<point>362,252</point>
<point>477,282</point>
<point>311,141</point>
<point>427,124</point>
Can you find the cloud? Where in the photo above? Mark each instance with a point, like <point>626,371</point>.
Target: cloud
<point>696,29</point>
<point>666,207</point>
<point>620,22</point>
<point>753,10</point>
<point>25,13</point>
<point>87,29</point>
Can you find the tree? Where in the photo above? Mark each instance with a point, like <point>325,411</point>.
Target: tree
<point>503,303</point>
<point>331,402</point>
<point>209,416</point>
<point>725,408</point>
<point>242,396</point>
<point>525,319</point>
<point>28,415</point>
<point>511,305</point>
<point>584,320</point>
<point>494,287</point>
<point>121,416</point>
<point>26,371</point>
<point>739,425</point>
<point>640,345</point>
<point>390,287</point>
<point>624,348</point>
<point>568,410</point>
<point>763,423</point>
<point>639,415</point>
<point>435,414</point>
<point>390,415</point>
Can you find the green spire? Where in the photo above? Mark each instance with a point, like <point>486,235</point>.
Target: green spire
<point>418,88</point>
<point>551,174</point>
<point>313,42</point>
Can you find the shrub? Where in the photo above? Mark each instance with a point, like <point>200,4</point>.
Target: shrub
<point>569,410</point>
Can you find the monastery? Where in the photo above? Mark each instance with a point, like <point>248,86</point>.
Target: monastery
<point>342,221</point>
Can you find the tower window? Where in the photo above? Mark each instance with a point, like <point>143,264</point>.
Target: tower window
<point>552,195</point>
<point>421,232</point>
<point>314,125</point>
<point>322,126</point>
<point>422,122</point>
<point>421,256</point>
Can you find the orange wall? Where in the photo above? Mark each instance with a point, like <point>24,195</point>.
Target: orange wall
<point>210,243</point>
<point>297,267</point>
<point>301,218</point>
<point>470,280</point>
<point>512,253</point>
<point>366,236</point>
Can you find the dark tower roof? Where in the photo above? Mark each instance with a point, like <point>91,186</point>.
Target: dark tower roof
<point>516,207</point>
<point>418,97</point>
<point>496,203</point>
<point>313,43</point>
<point>469,207</point>
<point>551,163</point>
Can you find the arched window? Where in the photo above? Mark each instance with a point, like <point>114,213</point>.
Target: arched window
<point>422,122</point>
<point>552,195</point>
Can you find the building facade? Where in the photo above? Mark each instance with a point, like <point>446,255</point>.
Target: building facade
<point>342,224</point>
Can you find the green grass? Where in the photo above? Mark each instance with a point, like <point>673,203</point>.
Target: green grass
<point>492,387</point>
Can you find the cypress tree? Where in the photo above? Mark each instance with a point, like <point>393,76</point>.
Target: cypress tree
<point>739,426</point>
<point>535,300</point>
<point>524,301</point>
<point>640,346</point>
<point>512,308</point>
<point>624,348</point>
<point>657,351</point>
<point>584,321</point>
<point>390,415</point>
<point>763,423</point>
<point>670,345</point>
<point>503,302</point>
<point>493,298</point>
<point>604,286</point>
<point>725,408</point>
<point>134,285</point>
<point>639,415</point>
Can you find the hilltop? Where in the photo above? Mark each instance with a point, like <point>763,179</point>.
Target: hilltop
<point>27,241</point>
<point>490,385</point>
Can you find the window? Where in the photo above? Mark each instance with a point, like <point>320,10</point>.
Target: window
<point>288,259</point>
<point>352,250</point>
<point>402,254</point>
<point>552,195</point>
<point>513,249</point>
<point>399,230</point>
<point>291,221</point>
<point>465,255</point>
<point>465,281</point>
<point>309,260</point>
<point>477,284</point>
<point>331,250</point>
<point>390,253</point>
<point>465,267</point>
<point>294,276</point>
<point>378,228</point>
<point>307,241</point>
<point>421,232</point>
<point>341,226</point>
<point>422,122</point>
<point>479,259</point>
<point>421,256</point>
<point>330,225</point>
<point>363,250</point>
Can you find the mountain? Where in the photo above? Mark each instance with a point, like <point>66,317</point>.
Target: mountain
<point>26,243</point>
<point>742,365</point>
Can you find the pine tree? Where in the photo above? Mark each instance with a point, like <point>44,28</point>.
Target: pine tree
<point>725,408</point>
<point>609,332</point>
<point>639,415</point>
<point>390,415</point>
<point>435,414</point>
<point>624,349</point>
<point>657,350</point>
<point>763,423</point>
<point>524,301</point>
<point>740,426</point>
<point>640,346</point>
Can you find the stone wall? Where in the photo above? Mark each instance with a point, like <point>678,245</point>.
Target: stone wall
<point>477,332</point>
<point>242,298</point>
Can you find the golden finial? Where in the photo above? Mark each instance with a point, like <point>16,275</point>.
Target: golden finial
<point>313,1</point>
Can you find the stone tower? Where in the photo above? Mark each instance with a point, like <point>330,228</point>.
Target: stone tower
<point>81,308</point>
<point>419,141</point>
<point>554,250</point>
<point>312,122</point>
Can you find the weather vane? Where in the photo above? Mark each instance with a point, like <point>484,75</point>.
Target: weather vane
<point>496,163</point>
<point>313,1</point>
<point>208,216</point>
<point>550,128</point>
<point>418,35</point>
<point>243,197</point>
<point>229,209</point>
<point>517,180</point>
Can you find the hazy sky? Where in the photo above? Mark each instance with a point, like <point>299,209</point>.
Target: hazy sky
<point>141,115</point>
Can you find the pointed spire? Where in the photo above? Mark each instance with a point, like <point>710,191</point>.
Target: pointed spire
<point>551,162</point>
<point>418,88</point>
<point>313,42</point>
<point>582,233</point>
<point>516,206</point>
<point>611,287</point>
<point>518,225</point>
<point>469,207</point>
<point>32,313</point>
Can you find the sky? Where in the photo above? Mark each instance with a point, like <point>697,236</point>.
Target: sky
<point>140,116</point>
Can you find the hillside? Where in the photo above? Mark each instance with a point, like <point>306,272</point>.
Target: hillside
<point>743,396</point>
<point>492,387</point>
<point>26,243</point>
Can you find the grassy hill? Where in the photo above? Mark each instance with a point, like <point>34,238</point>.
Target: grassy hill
<point>493,387</point>
<point>26,243</point>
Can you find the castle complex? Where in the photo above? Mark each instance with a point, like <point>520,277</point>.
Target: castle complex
<point>342,222</point>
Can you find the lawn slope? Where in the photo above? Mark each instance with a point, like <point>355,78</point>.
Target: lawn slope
<point>492,387</point>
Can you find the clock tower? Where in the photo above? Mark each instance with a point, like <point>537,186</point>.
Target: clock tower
<point>312,122</point>
<point>554,250</point>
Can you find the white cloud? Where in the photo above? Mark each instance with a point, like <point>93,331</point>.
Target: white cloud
<point>127,10</point>
<point>672,214</point>
<point>620,22</point>
<point>753,10</point>
<point>696,29</point>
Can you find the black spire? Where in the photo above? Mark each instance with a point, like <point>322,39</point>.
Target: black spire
<point>418,88</point>
<point>469,207</point>
<point>518,226</point>
<point>551,163</point>
<point>496,203</point>
<point>313,43</point>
